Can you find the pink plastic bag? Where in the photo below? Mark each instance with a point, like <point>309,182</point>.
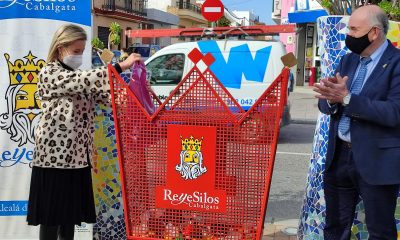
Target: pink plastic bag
<point>138,85</point>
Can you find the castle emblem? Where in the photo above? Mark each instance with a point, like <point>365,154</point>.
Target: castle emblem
<point>23,105</point>
<point>191,159</point>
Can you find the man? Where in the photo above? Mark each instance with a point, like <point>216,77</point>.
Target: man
<point>363,156</point>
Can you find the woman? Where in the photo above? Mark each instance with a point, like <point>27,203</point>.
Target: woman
<point>61,192</point>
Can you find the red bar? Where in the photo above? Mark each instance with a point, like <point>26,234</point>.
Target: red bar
<point>191,32</point>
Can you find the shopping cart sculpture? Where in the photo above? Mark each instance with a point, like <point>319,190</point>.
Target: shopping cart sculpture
<point>200,167</point>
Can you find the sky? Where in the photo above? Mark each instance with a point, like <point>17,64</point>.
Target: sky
<point>262,8</point>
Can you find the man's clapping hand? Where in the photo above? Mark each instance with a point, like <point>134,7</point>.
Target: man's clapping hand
<point>332,89</point>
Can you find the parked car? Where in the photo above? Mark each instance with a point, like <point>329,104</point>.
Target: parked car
<point>246,68</point>
<point>145,50</point>
<point>117,55</point>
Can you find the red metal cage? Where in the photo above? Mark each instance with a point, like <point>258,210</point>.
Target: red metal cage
<point>228,154</point>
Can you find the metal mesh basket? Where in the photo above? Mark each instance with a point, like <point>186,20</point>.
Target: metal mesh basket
<point>228,155</point>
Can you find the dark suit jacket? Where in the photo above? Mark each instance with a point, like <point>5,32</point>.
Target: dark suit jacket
<point>375,119</point>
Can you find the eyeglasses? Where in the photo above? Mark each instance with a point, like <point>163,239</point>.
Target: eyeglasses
<point>355,29</point>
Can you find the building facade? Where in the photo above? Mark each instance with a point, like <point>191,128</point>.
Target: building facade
<point>304,15</point>
<point>247,18</point>
<point>303,43</point>
<point>188,11</point>
<point>159,19</point>
<point>281,9</point>
<point>130,14</point>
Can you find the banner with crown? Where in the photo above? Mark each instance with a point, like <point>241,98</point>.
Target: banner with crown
<point>191,171</point>
<point>200,167</point>
<point>26,31</point>
<point>24,72</point>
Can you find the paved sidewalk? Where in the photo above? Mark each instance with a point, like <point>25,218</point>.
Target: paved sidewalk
<point>283,230</point>
<point>303,105</point>
<point>303,110</point>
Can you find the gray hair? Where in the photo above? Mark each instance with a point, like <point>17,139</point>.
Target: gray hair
<point>380,19</point>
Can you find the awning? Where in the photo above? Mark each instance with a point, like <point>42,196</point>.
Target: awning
<point>306,16</point>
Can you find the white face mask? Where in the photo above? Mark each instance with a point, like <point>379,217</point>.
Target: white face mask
<point>73,61</point>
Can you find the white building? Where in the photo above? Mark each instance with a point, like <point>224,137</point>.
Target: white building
<point>247,18</point>
<point>160,19</point>
<point>188,11</point>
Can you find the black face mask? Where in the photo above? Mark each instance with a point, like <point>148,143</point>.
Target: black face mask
<point>357,45</point>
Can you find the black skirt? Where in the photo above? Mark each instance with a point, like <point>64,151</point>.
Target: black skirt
<point>61,197</point>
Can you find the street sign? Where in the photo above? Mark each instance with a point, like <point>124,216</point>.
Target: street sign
<point>212,10</point>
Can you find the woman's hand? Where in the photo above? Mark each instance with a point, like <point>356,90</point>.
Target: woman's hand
<point>127,63</point>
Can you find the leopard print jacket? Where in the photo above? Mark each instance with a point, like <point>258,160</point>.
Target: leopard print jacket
<point>64,135</point>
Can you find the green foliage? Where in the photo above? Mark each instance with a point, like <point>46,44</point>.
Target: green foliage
<point>385,5</point>
<point>114,37</point>
<point>327,5</point>
<point>223,22</point>
<point>97,43</point>
<point>115,28</point>
<point>376,2</point>
<point>341,7</point>
<point>391,8</point>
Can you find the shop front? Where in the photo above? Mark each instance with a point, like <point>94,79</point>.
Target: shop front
<point>305,16</point>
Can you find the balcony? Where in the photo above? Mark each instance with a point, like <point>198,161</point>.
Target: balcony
<point>127,7</point>
<point>188,6</point>
<point>189,14</point>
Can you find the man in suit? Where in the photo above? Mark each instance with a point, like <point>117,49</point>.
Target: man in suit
<point>363,156</point>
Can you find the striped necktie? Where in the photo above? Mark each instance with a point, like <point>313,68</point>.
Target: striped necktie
<point>344,123</point>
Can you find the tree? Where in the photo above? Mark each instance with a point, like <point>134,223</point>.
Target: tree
<point>223,22</point>
<point>114,37</point>
<point>391,8</point>
<point>346,7</point>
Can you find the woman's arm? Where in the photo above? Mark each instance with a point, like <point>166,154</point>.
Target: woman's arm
<point>56,81</point>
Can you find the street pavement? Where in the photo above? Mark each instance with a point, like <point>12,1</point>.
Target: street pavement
<point>303,105</point>
<point>304,110</point>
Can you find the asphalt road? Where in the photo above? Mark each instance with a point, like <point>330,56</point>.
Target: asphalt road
<point>290,172</point>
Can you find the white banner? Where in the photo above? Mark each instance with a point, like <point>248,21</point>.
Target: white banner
<point>307,5</point>
<point>26,31</point>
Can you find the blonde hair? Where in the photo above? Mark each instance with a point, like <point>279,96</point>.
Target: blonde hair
<point>64,36</point>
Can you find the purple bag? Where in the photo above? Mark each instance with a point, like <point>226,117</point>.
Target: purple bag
<point>138,85</point>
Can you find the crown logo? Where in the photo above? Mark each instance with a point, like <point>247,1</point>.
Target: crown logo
<point>24,72</point>
<point>191,144</point>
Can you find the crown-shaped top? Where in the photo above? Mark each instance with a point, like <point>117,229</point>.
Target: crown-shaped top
<point>24,72</point>
<point>191,144</point>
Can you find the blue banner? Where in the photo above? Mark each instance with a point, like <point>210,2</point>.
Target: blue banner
<point>13,208</point>
<point>74,11</point>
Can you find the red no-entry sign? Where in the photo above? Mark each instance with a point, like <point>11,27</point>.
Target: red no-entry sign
<point>212,10</point>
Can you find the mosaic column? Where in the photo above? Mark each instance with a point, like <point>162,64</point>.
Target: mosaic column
<point>110,222</point>
<point>331,36</point>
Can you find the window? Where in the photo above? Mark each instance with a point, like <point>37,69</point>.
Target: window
<point>128,40</point>
<point>166,69</point>
<point>103,33</point>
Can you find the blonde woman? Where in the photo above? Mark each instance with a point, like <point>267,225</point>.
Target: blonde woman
<point>61,192</point>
